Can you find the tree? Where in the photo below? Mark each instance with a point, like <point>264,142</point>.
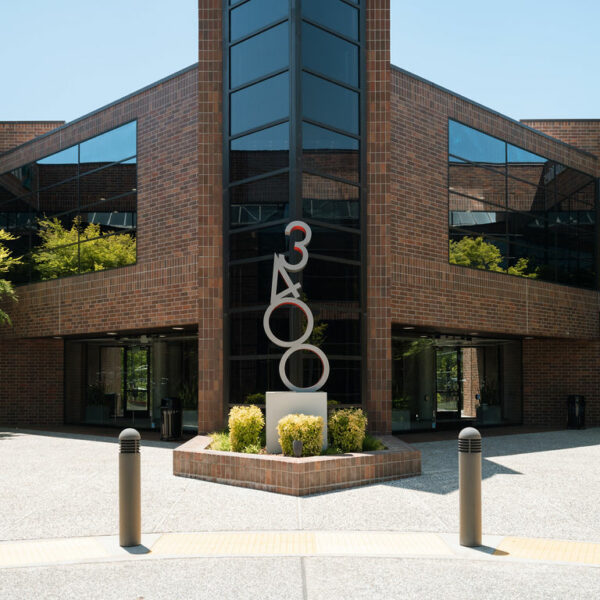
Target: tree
<point>474,252</point>
<point>7,261</point>
<point>62,251</point>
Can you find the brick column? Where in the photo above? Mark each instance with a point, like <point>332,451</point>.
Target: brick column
<point>211,409</point>
<point>379,343</point>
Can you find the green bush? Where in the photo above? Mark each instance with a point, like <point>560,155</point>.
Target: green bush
<point>245,426</point>
<point>371,443</point>
<point>347,428</point>
<point>307,428</point>
<point>220,441</point>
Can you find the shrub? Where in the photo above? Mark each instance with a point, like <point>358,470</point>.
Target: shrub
<point>307,428</point>
<point>220,441</point>
<point>371,443</point>
<point>245,426</point>
<point>257,398</point>
<point>347,429</point>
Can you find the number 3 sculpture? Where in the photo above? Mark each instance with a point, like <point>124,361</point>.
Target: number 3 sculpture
<point>290,297</point>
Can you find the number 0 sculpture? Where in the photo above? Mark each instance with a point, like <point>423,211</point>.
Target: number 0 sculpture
<point>290,297</point>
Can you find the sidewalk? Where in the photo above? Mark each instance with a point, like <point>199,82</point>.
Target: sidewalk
<point>59,519</point>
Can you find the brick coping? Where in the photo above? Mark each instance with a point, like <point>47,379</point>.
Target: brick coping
<point>296,476</point>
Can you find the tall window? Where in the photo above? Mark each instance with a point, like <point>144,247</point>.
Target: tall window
<point>75,210</point>
<point>516,212</point>
<point>294,111</point>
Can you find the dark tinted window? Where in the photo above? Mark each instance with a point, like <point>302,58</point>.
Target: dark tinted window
<point>260,55</point>
<point>329,104</point>
<point>330,201</point>
<point>475,146</point>
<point>110,182</point>
<point>259,202</point>
<point>260,104</point>
<point>330,153</point>
<point>256,14</point>
<point>111,146</point>
<point>329,55</point>
<point>260,152</point>
<point>57,167</point>
<point>331,281</point>
<point>333,14</point>
<point>477,182</point>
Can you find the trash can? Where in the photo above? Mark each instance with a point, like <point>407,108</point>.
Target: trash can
<point>576,412</point>
<point>170,419</point>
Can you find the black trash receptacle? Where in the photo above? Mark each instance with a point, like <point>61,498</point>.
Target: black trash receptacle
<point>576,412</point>
<point>171,419</point>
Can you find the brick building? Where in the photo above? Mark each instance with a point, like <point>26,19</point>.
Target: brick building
<point>453,264</point>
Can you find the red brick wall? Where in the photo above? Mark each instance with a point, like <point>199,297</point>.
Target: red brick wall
<point>161,289</point>
<point>209,207</point>
<point>379,343</point>
<point>582,133</point>
<point>31,389</point>
<point>427,291</point>
<point>15,133</point>
<point>553,369</point>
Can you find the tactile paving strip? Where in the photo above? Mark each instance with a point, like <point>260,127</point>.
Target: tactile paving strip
<point>301,543</point>
<point>50,551</point>
<point>553,550</point>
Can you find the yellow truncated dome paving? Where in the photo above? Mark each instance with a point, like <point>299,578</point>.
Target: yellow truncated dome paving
<point>554,550</point>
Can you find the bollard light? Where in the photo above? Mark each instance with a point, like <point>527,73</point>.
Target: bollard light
<point>469,484</point>
<point>130,511</point>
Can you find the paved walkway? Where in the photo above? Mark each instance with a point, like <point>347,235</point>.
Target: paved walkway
<point>541,524</point>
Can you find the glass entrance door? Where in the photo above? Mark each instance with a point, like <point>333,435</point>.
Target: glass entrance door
<point>137,380</point>
<point>448,384</point>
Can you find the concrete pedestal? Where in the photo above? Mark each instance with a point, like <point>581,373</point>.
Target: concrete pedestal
<point>280,404</point>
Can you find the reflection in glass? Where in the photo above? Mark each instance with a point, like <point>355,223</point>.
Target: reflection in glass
<point>259,242</point>
<point>473,145</point>
<point>330,281</point>
<point>256,14</point>
<point>478,183</point>
<point>333,14</point>
<point>261,152</point>
<point>249,379</point>
<point>329,152</point>
<point>110,182</point>
<point>335,244</point>
<point>250,283</point>
<point>108,147</point>
<point>260,55</point>
<point>260,201</point>
<point>331,201</point>
<point>59,200</point>
<point>329,103</point>
<point>260,103</point>
<point>329,55</point>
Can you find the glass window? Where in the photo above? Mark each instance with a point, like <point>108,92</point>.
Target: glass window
<point>260,55</point>
<point>330,153</point>
<point>518,155</point>
<point>329,103</point>
<point>336,332</point>
<point>335,244</point>
<point>57,167</point>
<point>260,242</point>
<point>256,14</point>
<point>329,55</point>
<point>343,385</point>
<point>106,252</point>
<point>248,337</point>
<point>570,182</point>
<point>250,283</point>
<point>109,147</point>
<point>333,14</point>
<point>479,183</point>
<point>251,377</point>
<point>110,182</point>
<point>260,201</point>
<point>331,201</point>
<point>59,198</point>
<point>484,219</point>
<point>475,146</point>
<point>260,103</point>
<point>326,280</point>
<point>525,197</point>
<point>261,152</point>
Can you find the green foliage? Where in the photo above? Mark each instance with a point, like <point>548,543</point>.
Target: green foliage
<point>307,428</point>
<point>245,426</point>
<point>7,262</point>
<point>347,428</point>
<point>475,252</point>
<point>370,444</point>
<point>59,253</point>
<point>257,398</point>
<point>220,441</point>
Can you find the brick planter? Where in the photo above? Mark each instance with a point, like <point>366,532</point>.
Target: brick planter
<point>296,476</point>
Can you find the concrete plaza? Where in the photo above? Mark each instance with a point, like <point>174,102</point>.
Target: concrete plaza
<point>59,520</point>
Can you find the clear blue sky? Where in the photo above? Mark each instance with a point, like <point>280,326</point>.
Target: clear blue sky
<point>527,59</point>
